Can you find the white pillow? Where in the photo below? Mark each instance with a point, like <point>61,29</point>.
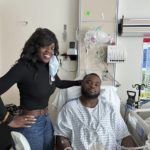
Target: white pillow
<point>109,92</point>
<point>20,141</point>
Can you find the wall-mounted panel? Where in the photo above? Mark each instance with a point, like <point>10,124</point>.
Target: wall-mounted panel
<point>93,14</point>
<point>92,10</point>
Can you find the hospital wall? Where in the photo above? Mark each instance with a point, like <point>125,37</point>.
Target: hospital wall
<point>19,18</point>
<point>129,73</point>
<point>0,39</point>
<point>0,48</point>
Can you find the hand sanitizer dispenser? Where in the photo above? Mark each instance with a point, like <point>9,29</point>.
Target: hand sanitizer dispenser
<point>72,51</point>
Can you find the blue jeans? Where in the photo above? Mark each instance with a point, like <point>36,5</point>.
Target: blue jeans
<point>40,135</point>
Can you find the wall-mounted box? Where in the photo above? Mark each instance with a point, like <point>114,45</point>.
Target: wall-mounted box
<point>116,54</point>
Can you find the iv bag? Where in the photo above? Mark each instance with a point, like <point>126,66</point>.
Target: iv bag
<point>95,38</point>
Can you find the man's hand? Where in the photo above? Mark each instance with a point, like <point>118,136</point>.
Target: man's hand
<point>22,121</point>
<point>62,143</point>
<point>128,142</point>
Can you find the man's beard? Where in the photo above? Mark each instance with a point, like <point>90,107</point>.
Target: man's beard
<point>88,95</point>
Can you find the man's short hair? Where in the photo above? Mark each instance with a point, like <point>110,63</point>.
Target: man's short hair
<point>90,75</point>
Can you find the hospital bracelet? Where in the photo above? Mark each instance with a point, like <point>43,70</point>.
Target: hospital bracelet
<point>8,118</point>
<point>68,148</point>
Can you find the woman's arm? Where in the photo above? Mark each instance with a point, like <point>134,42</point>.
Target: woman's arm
<point>3,110</point>
<point>14,75</point>
<point>66,83</point>
<point>15,121</point>
<point>5,116</point>
<point>6,81</point>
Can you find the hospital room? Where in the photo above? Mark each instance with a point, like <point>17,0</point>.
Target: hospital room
<point>51,52</point>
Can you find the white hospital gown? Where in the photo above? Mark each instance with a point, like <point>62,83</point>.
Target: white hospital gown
<point>84,126</point>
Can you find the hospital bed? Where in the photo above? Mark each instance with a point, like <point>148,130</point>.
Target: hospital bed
<point>138,122</point>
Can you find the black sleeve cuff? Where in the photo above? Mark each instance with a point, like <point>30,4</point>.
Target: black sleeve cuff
<point>3,110</point>
<point>78,82</point>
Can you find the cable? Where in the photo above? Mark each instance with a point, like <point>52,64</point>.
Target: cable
<point>110,77</point>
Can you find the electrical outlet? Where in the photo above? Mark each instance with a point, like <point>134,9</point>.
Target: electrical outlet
<point>105,75</point>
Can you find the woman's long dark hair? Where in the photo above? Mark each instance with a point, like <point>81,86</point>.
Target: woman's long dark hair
<point>42,37</point>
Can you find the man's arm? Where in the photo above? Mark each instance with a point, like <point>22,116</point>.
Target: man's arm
<point>121,130</point>
<point>63,129</point>
<point>62,143</point>
<point>128,142</point>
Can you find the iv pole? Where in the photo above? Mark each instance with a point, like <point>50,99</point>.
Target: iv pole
<point>138,87</point>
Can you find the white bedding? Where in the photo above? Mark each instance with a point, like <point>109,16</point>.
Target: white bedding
<point>147,121</point>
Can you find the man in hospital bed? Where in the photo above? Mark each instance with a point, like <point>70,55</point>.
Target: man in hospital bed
<point>90,121</point>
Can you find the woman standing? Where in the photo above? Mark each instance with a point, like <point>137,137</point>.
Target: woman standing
<point>35,74</point>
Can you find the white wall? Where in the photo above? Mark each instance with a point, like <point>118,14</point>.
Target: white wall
<point>130,72</point>
<point>1,1</point>
<point>134,8</point>
<point>52,14</point>
<point>38,13</point>
<point>0,47</point>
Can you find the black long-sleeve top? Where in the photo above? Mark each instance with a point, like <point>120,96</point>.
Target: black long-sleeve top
<point>34,90</point>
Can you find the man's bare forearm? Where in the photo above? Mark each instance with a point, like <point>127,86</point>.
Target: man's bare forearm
<point>62,143</point>
<point>128,142</point>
